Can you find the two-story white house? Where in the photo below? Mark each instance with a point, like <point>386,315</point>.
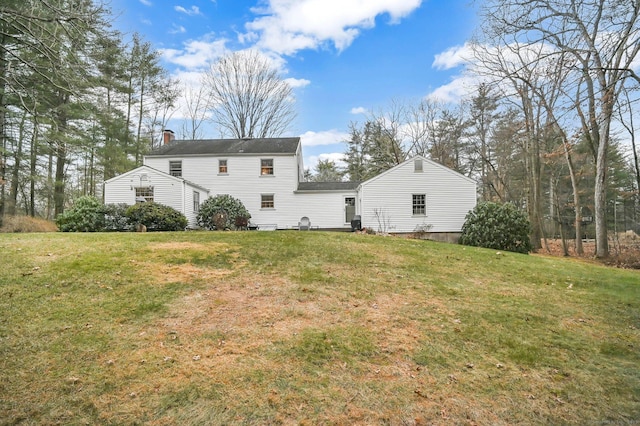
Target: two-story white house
<point>267,176</point>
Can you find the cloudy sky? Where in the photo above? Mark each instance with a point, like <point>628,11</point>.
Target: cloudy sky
<point>343,57</point>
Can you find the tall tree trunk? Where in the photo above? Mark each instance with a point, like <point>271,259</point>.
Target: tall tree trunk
<point>15,175</point>
<point>32,169</point>
<point>576,198</point>
<point>61,156</point>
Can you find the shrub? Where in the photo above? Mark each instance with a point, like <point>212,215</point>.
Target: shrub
<point>86,215</point>
<point>497,226</point>
<point>27,224</point>
<point>222,212</point>
<point>156,217</point>
<point>115,218</point>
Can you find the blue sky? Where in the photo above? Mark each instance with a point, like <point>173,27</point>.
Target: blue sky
<point>343,57</point>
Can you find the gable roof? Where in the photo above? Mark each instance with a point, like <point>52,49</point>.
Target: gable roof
<point>160,172</point>
<point>427,161</point>
<point>327,186</point>
<point>228,147</point>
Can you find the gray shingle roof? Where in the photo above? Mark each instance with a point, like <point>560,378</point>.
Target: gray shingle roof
<point>228,147</point>
<point>328,186</point>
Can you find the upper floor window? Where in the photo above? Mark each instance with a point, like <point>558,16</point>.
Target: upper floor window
<point>419,204</point>
<point>417,165</point>
<point>175,168</point>
<point>222,167</point>
<point>266,166</point>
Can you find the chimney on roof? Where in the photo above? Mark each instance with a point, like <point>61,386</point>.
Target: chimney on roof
<point>168,136</point>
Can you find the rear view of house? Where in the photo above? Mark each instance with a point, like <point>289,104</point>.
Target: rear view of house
<point>266,174</point>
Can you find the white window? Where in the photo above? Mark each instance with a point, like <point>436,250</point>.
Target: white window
<point>417,165</point>
<point>175,168</point>
<point>266,167</point>
<point>196,201</point>
<point>419,204</point>
<point>267,201</point>
<point>222,167</point>
<point>144,194</point>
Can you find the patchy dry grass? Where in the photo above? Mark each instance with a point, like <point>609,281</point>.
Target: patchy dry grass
<point>310,328</point>
<point>27,224</point>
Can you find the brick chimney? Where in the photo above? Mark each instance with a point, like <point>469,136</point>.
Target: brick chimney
<point>168,136</point>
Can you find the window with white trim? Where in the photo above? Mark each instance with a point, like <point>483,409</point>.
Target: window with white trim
<point>267,201</point>
<point>175,168</point>
<point>196,201</point>
<point>419,204</point>
<point>222,167</point>
<point>144,194</point>
<point>266,167</point>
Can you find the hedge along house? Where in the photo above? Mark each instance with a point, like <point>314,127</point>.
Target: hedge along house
<point>266,174</point>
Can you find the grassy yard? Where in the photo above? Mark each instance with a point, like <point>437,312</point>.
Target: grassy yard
<point>310,328</point>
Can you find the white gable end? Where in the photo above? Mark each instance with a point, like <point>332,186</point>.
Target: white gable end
<point>387,201</point>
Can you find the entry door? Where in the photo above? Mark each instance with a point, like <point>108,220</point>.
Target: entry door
<point>349,208</point>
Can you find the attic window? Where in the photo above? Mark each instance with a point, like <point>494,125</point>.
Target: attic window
<point>175,168</point>
<point>417,165</point>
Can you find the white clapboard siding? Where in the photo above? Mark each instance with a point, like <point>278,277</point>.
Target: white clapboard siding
<point>325,209</point>
<point>168,190</point>
<point>244,182</point>
<point>449,196</point>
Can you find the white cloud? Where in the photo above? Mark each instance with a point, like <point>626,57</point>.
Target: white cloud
<point>297,82</point>
<point>311,161</point>
<point>461,86</point>
<point>358,110</point>
<point>327,137</point>
<point>146,2</point>
<point>193,11</point>
<point>287,26</point>
<point>453,57</point>
<point>196,54</point>
<point>177,29</point>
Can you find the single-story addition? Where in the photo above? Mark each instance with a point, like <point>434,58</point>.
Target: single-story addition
<point>266,174</point>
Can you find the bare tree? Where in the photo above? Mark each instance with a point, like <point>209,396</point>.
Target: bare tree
<point>195,111</point>
<point>249,99</point>
<point>603,38</point>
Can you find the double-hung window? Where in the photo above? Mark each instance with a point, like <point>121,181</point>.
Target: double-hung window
<point>419,204</point>
<point>266,167</point>
<point>267,201</point>
<point>175,168</point>
<point>222,167</point>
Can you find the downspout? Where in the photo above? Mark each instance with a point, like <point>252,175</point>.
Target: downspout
<point>184,200</point>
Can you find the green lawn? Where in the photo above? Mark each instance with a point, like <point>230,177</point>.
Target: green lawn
<point>310,328</point>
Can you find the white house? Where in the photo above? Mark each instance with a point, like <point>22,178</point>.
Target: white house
<point>148,184</point>
<point>267,176</point>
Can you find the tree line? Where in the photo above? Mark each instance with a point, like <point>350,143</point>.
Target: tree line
<point>549,128</point>
<point>79,102</point>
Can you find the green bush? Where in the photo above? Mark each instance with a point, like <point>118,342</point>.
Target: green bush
<point>115,218</point>
<point>222,212</point>
<point>497,226</point>
<point>156,217</point>
<point>86,215</point>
